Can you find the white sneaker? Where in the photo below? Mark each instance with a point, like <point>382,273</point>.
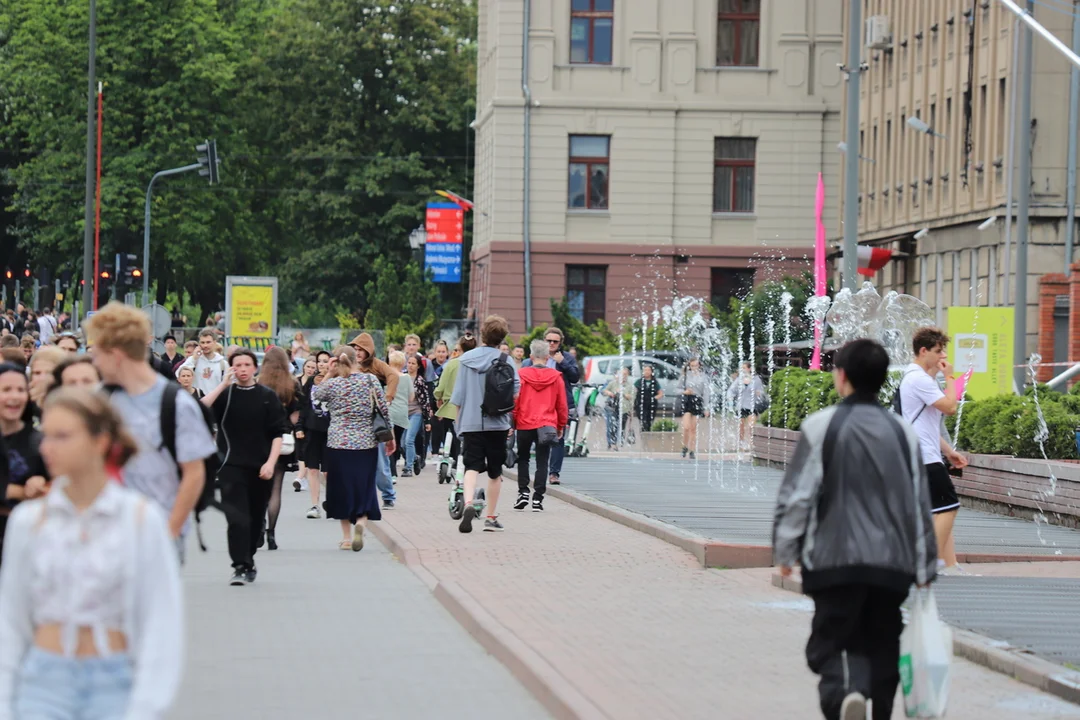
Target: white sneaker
<point>854,707</point>
<point>314,514</point>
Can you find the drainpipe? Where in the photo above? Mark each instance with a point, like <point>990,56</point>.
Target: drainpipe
<point>527,161</point>
<point>1009,160</point>
<point>1074,111</point>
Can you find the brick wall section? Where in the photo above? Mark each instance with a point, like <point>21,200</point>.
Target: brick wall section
<point>1074,313</point>
<point>1050,286</point>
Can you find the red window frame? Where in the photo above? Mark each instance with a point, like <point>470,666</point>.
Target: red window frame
<point>730,165</point>
<point>737,19</point>
<point>592,15</point>
<point>589,162</point>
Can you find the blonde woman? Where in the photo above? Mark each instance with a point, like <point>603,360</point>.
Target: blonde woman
<point>352,396</point>
<point>91,616</point>
<point>42,366</point>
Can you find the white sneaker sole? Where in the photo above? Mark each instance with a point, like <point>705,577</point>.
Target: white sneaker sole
<point>854,707</point>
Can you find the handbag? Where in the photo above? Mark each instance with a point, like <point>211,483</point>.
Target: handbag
<point>761,403</point>
<point>288,444</point>
<point>546,435</point>
<point>511,450</point>
<point>379,424</point>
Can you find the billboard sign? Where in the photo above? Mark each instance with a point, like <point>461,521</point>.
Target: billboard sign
<point>445,228</point>
<point>982,343</point>
<point>251,306</point>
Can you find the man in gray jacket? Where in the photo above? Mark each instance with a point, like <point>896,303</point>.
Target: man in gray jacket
<point>854,513</point>
<point>484,434</point>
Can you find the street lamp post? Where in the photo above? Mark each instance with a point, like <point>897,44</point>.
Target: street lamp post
<point>91,138</point>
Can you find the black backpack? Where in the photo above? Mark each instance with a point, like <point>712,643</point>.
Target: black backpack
<point>895,404</point>
<point>168,441</point>
<point>498,387</point>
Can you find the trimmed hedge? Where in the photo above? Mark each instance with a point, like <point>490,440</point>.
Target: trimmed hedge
<point>999,425</point>
<point>664,425</point>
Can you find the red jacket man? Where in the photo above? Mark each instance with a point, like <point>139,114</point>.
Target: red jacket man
<point>541,404</point>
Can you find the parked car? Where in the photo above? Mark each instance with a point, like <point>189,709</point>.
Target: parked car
<point>601,369</point>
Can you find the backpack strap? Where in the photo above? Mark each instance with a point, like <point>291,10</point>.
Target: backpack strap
<point>168,418</point>
<point>909,372</point>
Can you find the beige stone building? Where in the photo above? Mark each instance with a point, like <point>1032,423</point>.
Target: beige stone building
<point>923,56</point>
<point>675,149</point>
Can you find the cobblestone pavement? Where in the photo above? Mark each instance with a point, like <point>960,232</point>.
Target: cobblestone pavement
<point>327,634</point>
<point>639,628</point>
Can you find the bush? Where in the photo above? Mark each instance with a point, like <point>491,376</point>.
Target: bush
<point>664,425</point>
<point>999,425</point>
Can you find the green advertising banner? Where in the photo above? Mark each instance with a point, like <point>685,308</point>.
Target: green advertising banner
<point>982,341</point>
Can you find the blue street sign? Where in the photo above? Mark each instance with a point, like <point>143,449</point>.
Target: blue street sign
<point>444,261</point>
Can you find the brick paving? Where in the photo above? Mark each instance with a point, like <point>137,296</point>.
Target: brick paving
<point>325,634</point>
<point>638,627</point>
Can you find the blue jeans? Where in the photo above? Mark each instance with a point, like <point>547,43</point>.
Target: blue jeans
<point>555,460</point>
<point>382,476</point>
<point>54,687</point>
<point>416,423</point>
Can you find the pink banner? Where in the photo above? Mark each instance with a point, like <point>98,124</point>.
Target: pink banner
<point>961,384</point>
<point>819,267</point>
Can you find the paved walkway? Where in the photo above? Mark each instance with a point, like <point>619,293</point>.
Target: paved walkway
<point>329,634</point>
<point>733,502</point>
<point>637,627</point>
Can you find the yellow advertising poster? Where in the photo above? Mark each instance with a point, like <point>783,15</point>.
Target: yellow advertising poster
<point>982,341</point>
<point>252,310</point>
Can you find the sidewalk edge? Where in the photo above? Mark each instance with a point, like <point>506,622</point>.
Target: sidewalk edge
<point>553,691</point>
<point>997,656</point>
<point>709,554</point>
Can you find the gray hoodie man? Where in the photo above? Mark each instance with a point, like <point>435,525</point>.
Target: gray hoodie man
<point>469,392</point>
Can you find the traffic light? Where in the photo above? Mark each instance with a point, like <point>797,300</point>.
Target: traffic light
<point>26,272</point>
<point>106,279</point>
<point>208,160</point>
<point>127,271</point>
<point>9,274</point>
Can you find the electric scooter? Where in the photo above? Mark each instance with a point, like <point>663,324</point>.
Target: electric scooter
<point>446,461</point>
<point>587,407</point>
<point>457,493</point>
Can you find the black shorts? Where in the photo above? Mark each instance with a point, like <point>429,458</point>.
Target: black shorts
<point>314,445</point>
<point>943,496</point>
<point>745,412</point>
<point>485,450</point>
<point>693,405</point>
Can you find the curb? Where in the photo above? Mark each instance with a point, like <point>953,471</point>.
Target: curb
<point>996,655</point>
<point>554,692</point>
<point>709,553</point>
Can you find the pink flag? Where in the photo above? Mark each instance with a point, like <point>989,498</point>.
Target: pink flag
<point>819,266</point>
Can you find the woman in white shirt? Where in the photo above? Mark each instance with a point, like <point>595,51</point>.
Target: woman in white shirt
<point>91,618</point>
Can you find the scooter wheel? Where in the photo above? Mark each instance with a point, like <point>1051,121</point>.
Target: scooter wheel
<point>457,507</point>
<point>444,473</point>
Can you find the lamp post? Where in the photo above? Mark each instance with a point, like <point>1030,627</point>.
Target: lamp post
<point>91,138</point>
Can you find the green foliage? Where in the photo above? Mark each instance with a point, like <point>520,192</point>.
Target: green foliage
<point>401,303</point>
<point>1000,425</point>
<point>335,122</point>
<point>763,304</point>
<point>795,393</point>
<point>594,339</point>
<point>664,425</point>
<point>314,315</point>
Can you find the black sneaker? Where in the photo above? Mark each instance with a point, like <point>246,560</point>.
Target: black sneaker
<point>492,524</point>
<point>249,576</point>
<point>684,451</point>
<point>296,486</point>
<point>692,455</point>
<point>388,504</point>
<point>406,473</point>
<point>522,501</point>
<point>238,578</point>
<point>538,504</point>
<point>417,467</point>
<point>466,519</point>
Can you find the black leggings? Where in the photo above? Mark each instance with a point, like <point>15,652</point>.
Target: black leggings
<point>439,428</point>
<point>274,506</point>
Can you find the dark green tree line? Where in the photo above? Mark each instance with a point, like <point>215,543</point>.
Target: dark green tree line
<point>335,121</point>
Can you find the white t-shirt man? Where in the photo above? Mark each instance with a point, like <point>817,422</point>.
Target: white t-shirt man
<point>918,393</point>
<point>47,327</point>
<point>208,370</point>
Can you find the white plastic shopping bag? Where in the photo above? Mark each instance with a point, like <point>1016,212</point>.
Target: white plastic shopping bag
<point>926,648</point>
